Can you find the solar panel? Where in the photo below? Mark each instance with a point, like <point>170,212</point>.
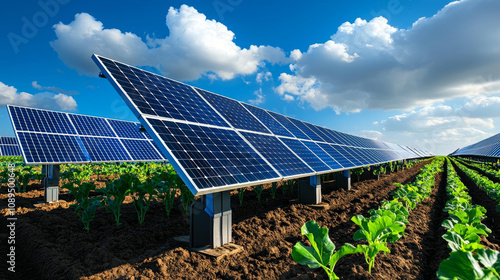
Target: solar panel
<point>247,145</point>
<point>49,137</point>
<point>487,147</point>
<point>212,156</point>
<point>9,147</point>
<point>280,157</point>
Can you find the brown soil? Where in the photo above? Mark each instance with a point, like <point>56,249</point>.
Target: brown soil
<point>52,244</point>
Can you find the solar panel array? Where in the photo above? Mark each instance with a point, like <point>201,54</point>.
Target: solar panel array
<point>50,137</point>
<point>9,147</point>
<point>489,147</point>
<point>216,143</point>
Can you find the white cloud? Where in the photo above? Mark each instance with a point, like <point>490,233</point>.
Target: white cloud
<point>195,46</point>
<point>263,76</point>
<point>304,88</point>
<point>36,85</point>
<point>260,98</point>
<point>373,65</point>
<point>9,95</point>
<point>371,134</point>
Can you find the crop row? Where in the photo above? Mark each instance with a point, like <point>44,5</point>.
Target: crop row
<point>385,224</point>
<point>491,188</point>
<point>468,258</point>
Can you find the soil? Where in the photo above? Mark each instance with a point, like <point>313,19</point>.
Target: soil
<point>52,244</point>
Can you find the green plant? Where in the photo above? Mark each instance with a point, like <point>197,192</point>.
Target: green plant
<point>274,185</point>
<point>166,193</point>
<point>187,197</point>
<point>377,170</point>
<point>358,172</point>
<point>465,265</point>
<point>291,185</point>
<point>258,191</point>
<point>142,195</point>
<point>241,192</point>
<point>115,192</point>
<point>322,251</point>
<point>85,207</point>
<point>377,231</point>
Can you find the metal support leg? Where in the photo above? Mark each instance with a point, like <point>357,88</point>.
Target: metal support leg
<point>310,192</point>
<point>51,182</point>
<point>343,179</point>
<point>211,221</point>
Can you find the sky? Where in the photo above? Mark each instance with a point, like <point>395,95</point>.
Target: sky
<point>419,73</point>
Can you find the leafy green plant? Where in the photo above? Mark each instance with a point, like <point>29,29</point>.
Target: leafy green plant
<point>358,172</point>
<point>187,197</point>
<point>465,265</point>
<point>377,170</point>
<point>115,193</point>
<point>142,195</point>
<point>258,191</point>
<point>291,185</point>
<point>274,185</point>
<point>377,231</point>
<point>166,192</point>
<point>85,207</point>
<point>241,193</point>
<point>322,252</point>
<point>25,174</point>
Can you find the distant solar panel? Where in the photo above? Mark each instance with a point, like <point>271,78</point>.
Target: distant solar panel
<point>488,147</point>
<point>243,147</point>
<point>9,147</point>
<point>49,137</point>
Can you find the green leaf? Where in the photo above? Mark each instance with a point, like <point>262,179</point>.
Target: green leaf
<point>489,258</point>
<point>320,241</point>
<point>460,266</point>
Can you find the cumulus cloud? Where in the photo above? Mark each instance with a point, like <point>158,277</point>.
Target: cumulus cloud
<point>11,96</point>
<point>259,97</point>
<point>196,46</point>
<point>373,65</point>
<point>263,76</point>
<point>442,128</point>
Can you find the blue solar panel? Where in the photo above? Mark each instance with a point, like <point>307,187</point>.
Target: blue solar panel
<point>280,157</point>
<point>334,165</point>
<point>320,131</point>
<point>268,121</point>
<point>41,148</point>
<point>334,153</point>
<point>8,141</point>
<point>305,129</point>
<point>212,156</point>
<point>305,154</point>
<point>156,95</point>
<point>289,125</point>
<point>91,126</point>
<point>104,149</point>
<point>233,112</point>
<point>350,154</point>
<point>27,119</point>
<point>141,150</point>
<point>127,130</point>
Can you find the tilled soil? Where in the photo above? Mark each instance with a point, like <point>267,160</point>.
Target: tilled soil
<point>52,244</point>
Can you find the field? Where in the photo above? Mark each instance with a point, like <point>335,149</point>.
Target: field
<point>51,241</point>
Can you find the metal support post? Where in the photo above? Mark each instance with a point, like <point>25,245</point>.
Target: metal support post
<point>310,191</point>
<point>51,182</point>
<point>211,221</point>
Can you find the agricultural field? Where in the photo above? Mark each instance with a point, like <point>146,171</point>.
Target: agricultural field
<point>119,222</point>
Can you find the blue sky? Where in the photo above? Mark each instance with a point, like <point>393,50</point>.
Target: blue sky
<point>419,73</point>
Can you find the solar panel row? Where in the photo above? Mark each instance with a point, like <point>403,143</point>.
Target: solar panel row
<point>217,143</point>
<point>48,137</point>
<point>489,147</point>
<point>9,147</point>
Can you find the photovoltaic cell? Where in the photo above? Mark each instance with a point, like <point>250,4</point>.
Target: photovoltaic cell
<point>27,119</point>
<point>156,95</point>
<point>91,126</point>
<point>10,150</point>
<point>311,134</point>
<point>334,165</point>
<point>233,112</point>
<point>268,121</point>
<point>8,141</point>
<point>104,149</point>
<point>140,149</point>
<point>349,154</point>
<point>280,157</point>
<point>338,156</point>
<point>127,130</point>
<point>305,154</point>
<point>289,125</point>
<point>212,156</point>
<point>54,148</point>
